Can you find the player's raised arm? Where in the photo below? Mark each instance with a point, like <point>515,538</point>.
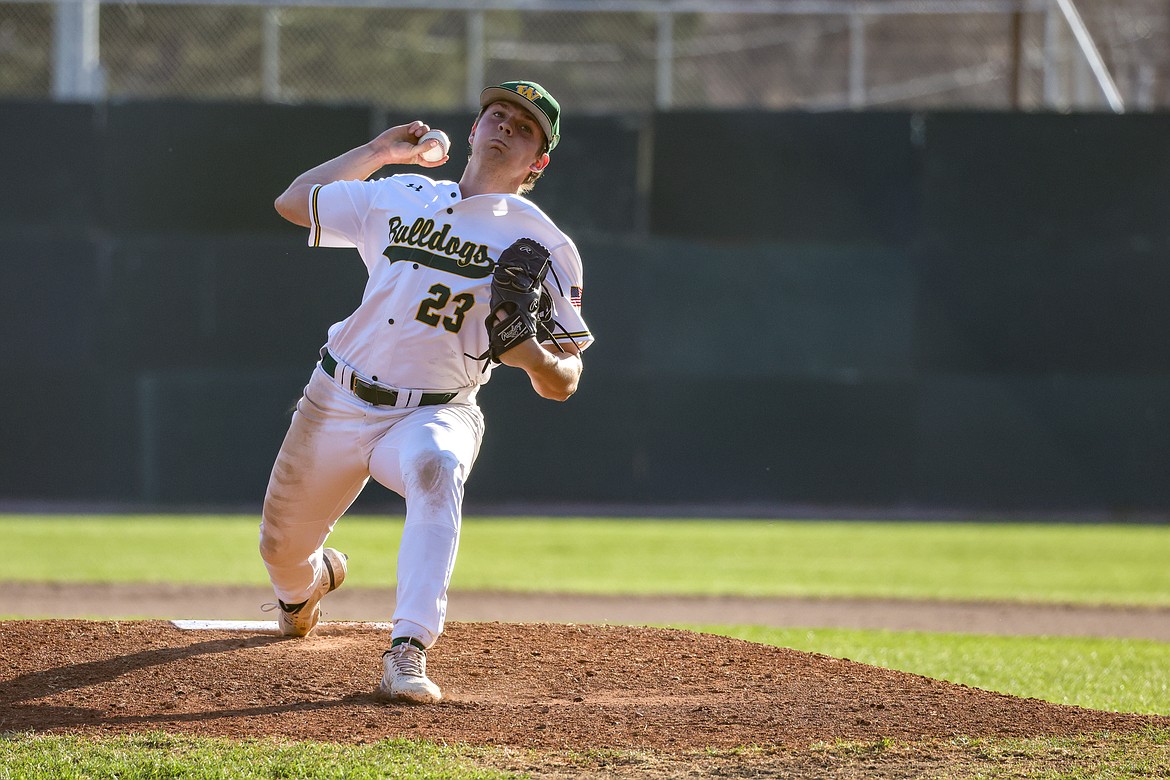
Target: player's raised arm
<point>396,146</point>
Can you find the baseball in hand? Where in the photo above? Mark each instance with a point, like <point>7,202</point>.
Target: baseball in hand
<point>436,154</point>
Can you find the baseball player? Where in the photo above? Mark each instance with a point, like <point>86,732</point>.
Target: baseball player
<point>462,276</point>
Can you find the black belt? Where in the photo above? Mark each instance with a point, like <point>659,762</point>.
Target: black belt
<point>379,396</point>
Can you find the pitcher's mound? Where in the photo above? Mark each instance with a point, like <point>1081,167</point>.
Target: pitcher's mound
<point>524,685</point>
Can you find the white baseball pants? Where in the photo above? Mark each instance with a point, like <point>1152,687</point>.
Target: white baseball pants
<point>335,443</point>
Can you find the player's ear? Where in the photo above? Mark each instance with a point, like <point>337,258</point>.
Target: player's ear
<point>540,164</point>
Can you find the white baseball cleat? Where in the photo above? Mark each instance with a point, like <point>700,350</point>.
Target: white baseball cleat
<point>300,619</point>
<point>405,675</point>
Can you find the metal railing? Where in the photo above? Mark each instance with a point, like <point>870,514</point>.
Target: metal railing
<point>599,55</point>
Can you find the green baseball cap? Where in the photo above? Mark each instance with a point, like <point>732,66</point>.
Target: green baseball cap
<point>533,97</point>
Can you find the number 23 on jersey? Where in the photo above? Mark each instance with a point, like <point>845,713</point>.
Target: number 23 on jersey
<point>433,310</point>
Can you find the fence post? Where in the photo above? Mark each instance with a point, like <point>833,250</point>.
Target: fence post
<point>857,23</point>
<point>271,54</point>
<point>1054,60</point>
<point>1017,44</point>
<point>76,66</point>
<point>475,58</point>
<point>664,87</point>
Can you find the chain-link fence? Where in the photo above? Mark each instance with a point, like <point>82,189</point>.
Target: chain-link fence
<point>600,56</point>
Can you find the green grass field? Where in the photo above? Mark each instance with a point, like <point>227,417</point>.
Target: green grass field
<point>159,756</point>
<point>1080,564</point>
<point>1121,675</point>
<point>154,756</point>
<point>1084,564</point>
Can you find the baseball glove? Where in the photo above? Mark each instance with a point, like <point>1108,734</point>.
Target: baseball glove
<point>520,308</point>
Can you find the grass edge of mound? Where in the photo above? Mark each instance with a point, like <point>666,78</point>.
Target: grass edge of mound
<point>1124,755</point>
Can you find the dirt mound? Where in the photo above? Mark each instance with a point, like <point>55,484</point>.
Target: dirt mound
<point>548,686</point>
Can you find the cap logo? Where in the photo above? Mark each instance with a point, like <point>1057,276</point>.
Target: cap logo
<point>547,113</point>
<point>528,92</point>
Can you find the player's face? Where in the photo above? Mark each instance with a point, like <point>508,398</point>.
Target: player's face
<point>509,132</point>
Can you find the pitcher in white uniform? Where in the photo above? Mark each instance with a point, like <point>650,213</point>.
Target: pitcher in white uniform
<point>394,394</point>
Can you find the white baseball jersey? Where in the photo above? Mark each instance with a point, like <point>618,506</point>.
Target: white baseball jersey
<point>430,254</point>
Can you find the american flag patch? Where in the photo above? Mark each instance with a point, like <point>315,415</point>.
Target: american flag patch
<point>575,296</point>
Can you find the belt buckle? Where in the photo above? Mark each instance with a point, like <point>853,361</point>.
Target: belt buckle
<point>375,393</point>
<point>361,389</point>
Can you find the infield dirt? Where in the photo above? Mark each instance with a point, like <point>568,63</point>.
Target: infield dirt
<point>541,687</point>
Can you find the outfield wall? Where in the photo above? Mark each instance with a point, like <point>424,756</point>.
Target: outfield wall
<point>884,311</point>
